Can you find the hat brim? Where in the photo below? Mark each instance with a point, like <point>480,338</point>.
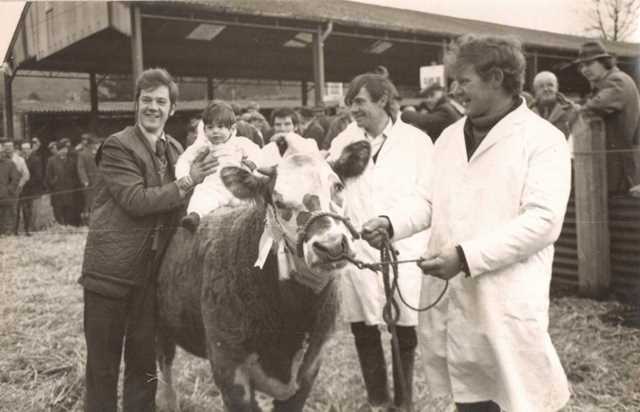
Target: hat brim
<point>590,58</point>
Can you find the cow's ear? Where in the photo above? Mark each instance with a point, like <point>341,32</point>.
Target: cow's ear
<point>353,160</point>
<point>242,183</point>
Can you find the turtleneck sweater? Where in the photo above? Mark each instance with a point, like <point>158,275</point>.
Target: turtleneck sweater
<point>476,129</point>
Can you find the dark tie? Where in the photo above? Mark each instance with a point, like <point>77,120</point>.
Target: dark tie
<point>161,149</point>
<point>161,154</point>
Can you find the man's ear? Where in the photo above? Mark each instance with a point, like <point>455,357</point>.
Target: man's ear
<point>496,78</point>
<point>353,160</point>
<point>242,183</point>
<point>172,110</point>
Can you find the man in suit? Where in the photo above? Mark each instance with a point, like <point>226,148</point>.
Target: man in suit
<point>31,189</point>
<point>552,105</point>
<point>615,97</point>
<point>87,172</point>
<point>136,204</point>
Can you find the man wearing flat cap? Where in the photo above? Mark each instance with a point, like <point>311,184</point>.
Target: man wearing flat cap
<point>440,115</point>
<point>615,98</point>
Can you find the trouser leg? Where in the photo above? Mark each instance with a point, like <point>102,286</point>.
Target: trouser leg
<point>140,380</point>
<point>372,362</point>
<point>104,325</point>
<point>486,406</point>
<point>407,342</point>
<point>27,214</point>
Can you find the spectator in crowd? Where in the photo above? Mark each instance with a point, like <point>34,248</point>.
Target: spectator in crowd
<point>9,181</point>
<point>32,188</point>
<point>136,204</point>
<point>440,112</point>
<point>614,97</point>
<point>52,149</point>
<point>257,120</point>
<point>399,167</point>
<point>501,185</point>
<point>245,129</point>
<point>87,173</point>
<point>61,178</point>
<point>337,125</point>
<point>313,126</point>
<point>20,163</point>
<point>285,120</point>
<point>552,105</point>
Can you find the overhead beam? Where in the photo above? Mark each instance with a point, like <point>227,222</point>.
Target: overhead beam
<point>136,42</point>
<point>231,22</point>
<point>93,94</point>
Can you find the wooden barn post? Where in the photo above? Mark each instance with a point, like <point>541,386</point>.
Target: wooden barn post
<point>592,213</point>
<point>136,42</point>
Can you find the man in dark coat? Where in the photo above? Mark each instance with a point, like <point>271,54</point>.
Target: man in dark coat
<point>137,202</point>
<point>87,173</point>
<point>615,97</point>
<point>552,105</point>
<point>440,113</point>
<point>32,188</point>
<point>62,181</point>
<point>9,181</point>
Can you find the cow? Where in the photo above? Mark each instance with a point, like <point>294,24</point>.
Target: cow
<point>261,319</point>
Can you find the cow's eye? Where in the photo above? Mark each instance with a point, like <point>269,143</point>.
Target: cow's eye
<point>338,187</point>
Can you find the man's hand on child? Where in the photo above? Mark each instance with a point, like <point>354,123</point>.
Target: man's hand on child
<point>203,166</point>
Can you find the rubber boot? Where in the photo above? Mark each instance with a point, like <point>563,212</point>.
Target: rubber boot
<point>407,342</point>
<point>372,363</point>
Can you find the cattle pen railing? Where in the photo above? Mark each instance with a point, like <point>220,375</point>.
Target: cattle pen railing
<point>598,251</point>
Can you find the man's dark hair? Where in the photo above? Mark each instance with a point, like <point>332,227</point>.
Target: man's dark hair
<point>486,54</point>
<point>283,112</point>
<point>156,77</point>
<point>378,87</point>
<point>219,113</point>
<point>607,62</point>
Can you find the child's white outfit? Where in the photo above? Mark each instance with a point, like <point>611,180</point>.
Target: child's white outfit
<point>212,193</point>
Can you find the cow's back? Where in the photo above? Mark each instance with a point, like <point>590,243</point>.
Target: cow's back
<point>193,260</point>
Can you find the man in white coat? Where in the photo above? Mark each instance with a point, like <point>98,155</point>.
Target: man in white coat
<point>501,180</point>
<point>398,169</point>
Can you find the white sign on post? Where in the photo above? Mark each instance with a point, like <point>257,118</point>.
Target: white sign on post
<point>333,91</point>
<point>430,75</point>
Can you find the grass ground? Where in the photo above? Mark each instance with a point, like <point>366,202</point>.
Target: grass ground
<point>42,355</point>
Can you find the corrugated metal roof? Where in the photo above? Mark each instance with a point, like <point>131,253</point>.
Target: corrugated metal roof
<point>387,18</point>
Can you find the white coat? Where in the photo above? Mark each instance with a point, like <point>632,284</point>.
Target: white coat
<point>402,170</point>
<point>488,339</point>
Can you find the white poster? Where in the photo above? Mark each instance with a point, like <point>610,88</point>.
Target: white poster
<point>430,75</point>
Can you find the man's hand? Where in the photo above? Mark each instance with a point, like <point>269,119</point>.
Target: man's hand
<point>375,231</point>
<point>444,264</point>
<point>203,166</point>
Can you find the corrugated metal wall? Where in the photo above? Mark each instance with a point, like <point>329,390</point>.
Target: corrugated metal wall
<point>624,227</point>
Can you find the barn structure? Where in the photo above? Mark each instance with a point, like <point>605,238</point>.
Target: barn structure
<point>289,40</point>
<point>293,40</point>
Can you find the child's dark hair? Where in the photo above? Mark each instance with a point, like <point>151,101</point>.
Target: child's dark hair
<point>219,113</point>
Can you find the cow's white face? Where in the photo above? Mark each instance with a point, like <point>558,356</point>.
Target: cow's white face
<point>302,186</point>
<point>306,185</point>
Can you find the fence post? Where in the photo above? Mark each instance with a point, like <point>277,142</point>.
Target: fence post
<point>592,211</point>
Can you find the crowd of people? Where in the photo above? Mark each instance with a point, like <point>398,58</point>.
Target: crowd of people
<point>475,183</point>
<point>64,171</point>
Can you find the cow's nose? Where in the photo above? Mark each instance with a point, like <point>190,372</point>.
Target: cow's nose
<point>333,247</point>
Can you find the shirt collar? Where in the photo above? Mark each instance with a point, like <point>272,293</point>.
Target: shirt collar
<point>386,132</point>
<point>151,138</point>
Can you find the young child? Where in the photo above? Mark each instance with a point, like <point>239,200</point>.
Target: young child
<point>216,136</point>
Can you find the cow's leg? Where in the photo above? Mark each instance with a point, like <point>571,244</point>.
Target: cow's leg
<point>234,384</point>
<point>306,377</point>
<point>167,397</point>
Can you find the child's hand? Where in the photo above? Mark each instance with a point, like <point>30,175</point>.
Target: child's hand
<point>201,154</point>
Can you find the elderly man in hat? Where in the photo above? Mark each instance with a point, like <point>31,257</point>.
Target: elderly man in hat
<point>441,112</point>
<point>614,97</point>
